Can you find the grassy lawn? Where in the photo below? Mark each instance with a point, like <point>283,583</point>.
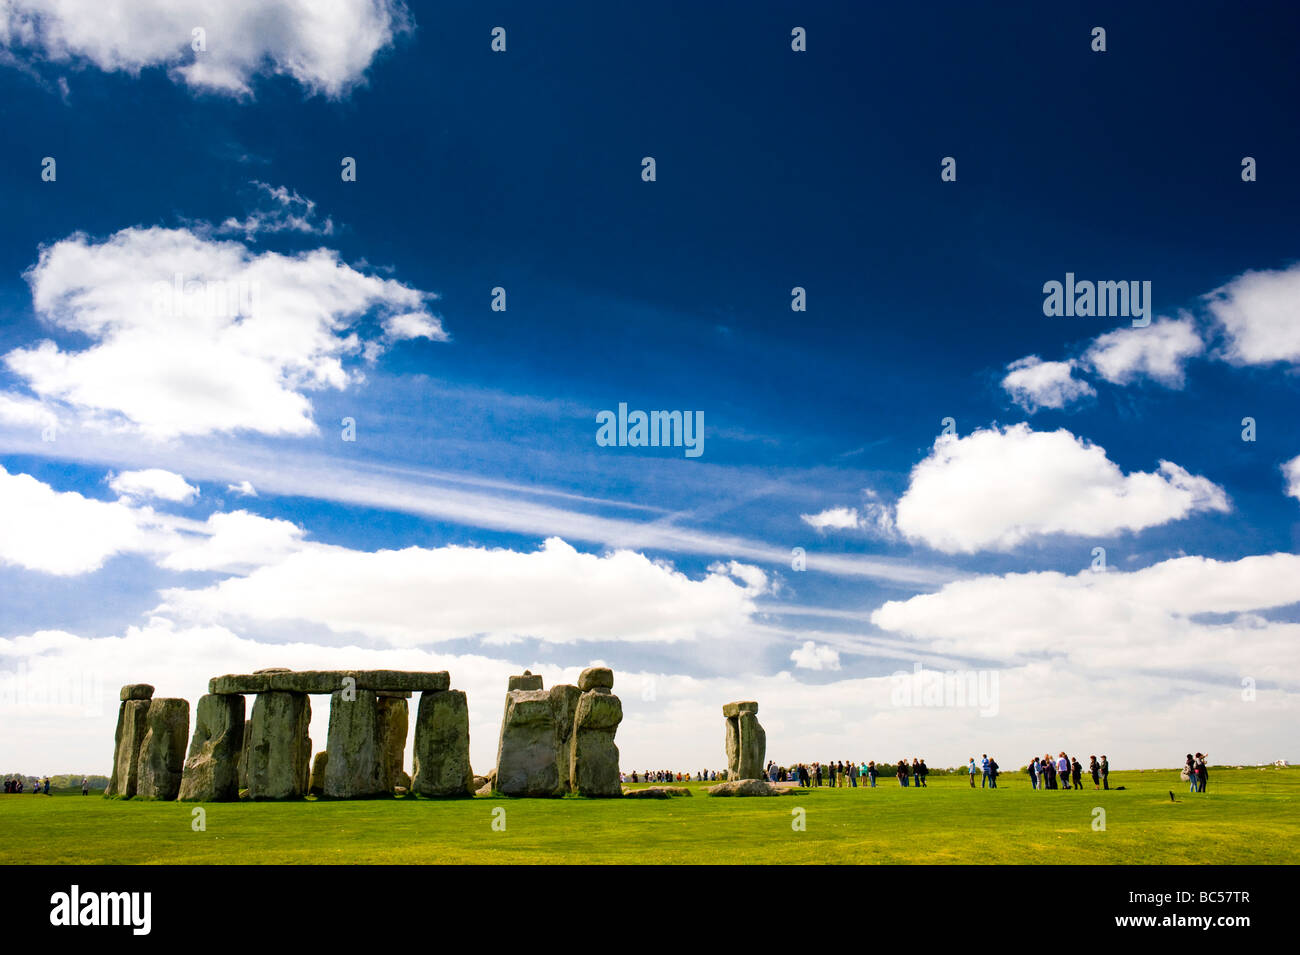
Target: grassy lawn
<point>1249,816</point>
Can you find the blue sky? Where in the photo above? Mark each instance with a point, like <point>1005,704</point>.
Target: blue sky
<point>475,524</point>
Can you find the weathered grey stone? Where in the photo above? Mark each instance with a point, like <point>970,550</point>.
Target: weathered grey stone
<point>137,691</point>
<point>110,788</point>
<point>593,767</point>
<point>355,767</point>
<point>753,746</point>
<point>527,763</point>
<point>394,721</point>
<point>316,787</point>
<point>279,749</point>
<point>656,792</point>
<point>211,772</point>
<point>527,681</point>
<point>750,787</point>
<point>441,761</point>
<point>746,740</point>
<point>133,723</point>
<point>403,782</point>
<point>594,677</point>
<point>733,745</point>
<point>329,681</point>
<point>162,752</point>
<point>564,705</point>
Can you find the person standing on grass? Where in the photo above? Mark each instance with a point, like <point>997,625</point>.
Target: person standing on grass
<point>993,773</point>
<point>1190,769</point>
<point>1105,772</point>
<point>1077,768</point>
<point>970,771</point>
<point>984,766</point>
<point>925,772</point>
<point>1049,772</point>
<point>1202,771</point>
<point>1095,769</point>
<point>916,773</point>
<point>1063,770</point>
<point>901,772</point>
<point>872,773</point>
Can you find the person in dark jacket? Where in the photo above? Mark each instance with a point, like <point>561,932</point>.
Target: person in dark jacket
<point>1105,772</point>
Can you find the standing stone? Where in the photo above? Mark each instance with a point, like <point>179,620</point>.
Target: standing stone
<point>211,771</point>
<point>733,747</point>
<point>162,752</point>
<point>746,740</point>
<point>394,722</point>
<point>527,763</point>
<point>132,691</point>
<point>442,745</point>
<point>354,769</point>
<point>564,704</point>
<point>594,756</point>
<point>279,749</point>
<point>753,746</point>
<point>110,788</point>
<point>316,787</point>
<point>133,724</point>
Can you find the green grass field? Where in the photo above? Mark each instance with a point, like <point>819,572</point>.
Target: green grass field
<point>1249,816</point>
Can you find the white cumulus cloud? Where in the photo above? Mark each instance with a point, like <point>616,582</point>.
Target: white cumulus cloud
<point>995,489</point>
<point>1033,384</point>
<point>192,336</point>
<point>420,595</point>
<point>61,533</point>
<point>153,483</point>
<point>1258,313</point>
<point>813,656</point>
<point>324,46</point>
<point>1159,351</point>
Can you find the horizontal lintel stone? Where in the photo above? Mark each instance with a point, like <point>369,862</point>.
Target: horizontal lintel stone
<point>329,681</point>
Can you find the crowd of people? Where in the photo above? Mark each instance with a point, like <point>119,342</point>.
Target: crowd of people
<point>669,776</point>
<point>1048,772</point>
<point>1045,772</point>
